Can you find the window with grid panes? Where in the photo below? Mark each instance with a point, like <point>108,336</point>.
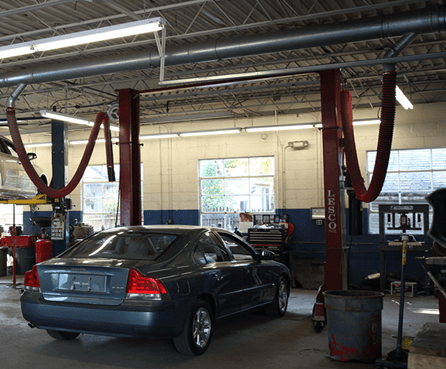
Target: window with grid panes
<point>100,198</point>
<point>411,176</point>
<point>228,187</point>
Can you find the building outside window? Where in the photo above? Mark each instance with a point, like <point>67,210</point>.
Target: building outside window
<point>11,214</point>
<point>100,197</point>
<point>411,176</point>
<point>230,186</point>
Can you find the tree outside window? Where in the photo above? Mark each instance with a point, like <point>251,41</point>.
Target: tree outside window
<point>231,186</point>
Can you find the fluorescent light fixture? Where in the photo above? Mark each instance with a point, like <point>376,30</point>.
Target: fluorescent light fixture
<point>402,99</point>
<point>113,127</point>
<point>84,37</point>
<point>303,126</point>
<point>279,128</point>
<point>231,131</point>
<point>3,121</point>
<point>365,122</point>
<point>208,133</point>
<point>72,119</point>
<point>12,51</point>
<point>38,144</point>
<point>161,135</point>
<point>84,142</point>
<point>63,117</point>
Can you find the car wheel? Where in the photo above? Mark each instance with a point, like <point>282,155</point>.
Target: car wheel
<point>280,303</point>
<point>64,336</point>
<point>197,333</point>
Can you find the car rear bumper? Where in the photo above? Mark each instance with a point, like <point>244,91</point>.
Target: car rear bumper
<point>130,319</point>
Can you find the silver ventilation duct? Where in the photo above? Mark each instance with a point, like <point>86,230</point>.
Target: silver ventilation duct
<point>430,20</point>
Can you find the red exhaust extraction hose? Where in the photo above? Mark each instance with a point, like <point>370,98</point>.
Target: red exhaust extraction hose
<point>51,192</point>
<point>384,140</point>
<point>109,151</point>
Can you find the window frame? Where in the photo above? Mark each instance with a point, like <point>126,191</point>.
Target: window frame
<point>229,217</point>
<point>373,209</point>
<point>87,214</point>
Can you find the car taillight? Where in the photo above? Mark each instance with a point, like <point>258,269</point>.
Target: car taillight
<point>138,284</point>
<point>31,280</point>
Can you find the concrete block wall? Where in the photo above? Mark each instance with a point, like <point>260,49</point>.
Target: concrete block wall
<point>170,170</point>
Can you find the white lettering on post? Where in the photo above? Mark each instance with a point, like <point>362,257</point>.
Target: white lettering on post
<point>331,210</point>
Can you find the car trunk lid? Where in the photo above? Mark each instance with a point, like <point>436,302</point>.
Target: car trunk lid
<point>86,284</point>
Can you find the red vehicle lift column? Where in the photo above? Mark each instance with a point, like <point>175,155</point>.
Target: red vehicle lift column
<point>130,157</point>
<point>335,267</point>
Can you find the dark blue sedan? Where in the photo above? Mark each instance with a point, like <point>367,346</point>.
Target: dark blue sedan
<point>153,281</point>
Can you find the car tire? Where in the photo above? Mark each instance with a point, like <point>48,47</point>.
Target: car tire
<point>64,336</point>
<point>197,333</point>
<point>279,305</point>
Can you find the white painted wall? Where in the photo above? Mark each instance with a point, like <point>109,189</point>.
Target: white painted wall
<point>171,165</point>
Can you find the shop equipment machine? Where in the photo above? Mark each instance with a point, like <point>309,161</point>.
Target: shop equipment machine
<point>403,219</point>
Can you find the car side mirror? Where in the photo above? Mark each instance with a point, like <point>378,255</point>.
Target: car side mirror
<point>266,255</point>
<point>32,155</point>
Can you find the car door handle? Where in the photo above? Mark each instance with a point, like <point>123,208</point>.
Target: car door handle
<point>215,275</point>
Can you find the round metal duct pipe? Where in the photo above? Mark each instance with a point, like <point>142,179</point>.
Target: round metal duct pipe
<point>429,20</point>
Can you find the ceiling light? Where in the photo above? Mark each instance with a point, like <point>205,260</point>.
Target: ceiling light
<point>99,140</point>
<point>38,144</point>
<point>161,135</point>
<point>84,37</point>
<point>207,133</point>
<point>72,119</point>
<point>279,128</point>
<point>402,99</point>
<point>10,51</point>
<point>84,142</point>
<point>4,121</point>
<point>367,121</point>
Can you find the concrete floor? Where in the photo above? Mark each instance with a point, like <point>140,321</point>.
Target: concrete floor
<point>253,341</point>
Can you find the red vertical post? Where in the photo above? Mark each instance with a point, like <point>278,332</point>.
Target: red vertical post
<point>130,157</point>
<point>136,161</point>
<point>442,308</point>
<point>333,153</point>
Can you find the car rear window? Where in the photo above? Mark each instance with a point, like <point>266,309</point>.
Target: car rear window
<point>123,245</point>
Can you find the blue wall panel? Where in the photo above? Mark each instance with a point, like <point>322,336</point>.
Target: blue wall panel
<point>308,240</point>
<point>75,214</point>
<point>187,217</point>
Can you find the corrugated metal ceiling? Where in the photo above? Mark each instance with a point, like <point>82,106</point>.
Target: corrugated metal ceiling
<point>190,22</point>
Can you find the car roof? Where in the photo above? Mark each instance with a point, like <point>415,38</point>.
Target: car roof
<point>165,227</point>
